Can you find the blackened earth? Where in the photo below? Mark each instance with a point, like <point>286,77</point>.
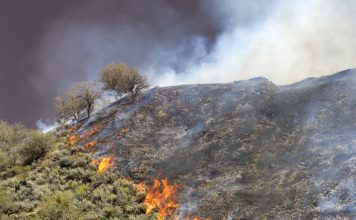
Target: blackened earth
<point>242,150</point>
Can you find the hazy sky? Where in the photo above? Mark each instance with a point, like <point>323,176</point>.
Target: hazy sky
<point>46,46</point>
<point>43,44</point>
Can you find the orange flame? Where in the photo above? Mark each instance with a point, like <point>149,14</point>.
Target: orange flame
<point>72,139</point>
<point>104,164</point>
<point>90,144</point>
<point>123,132</point>
<point>196,218</point>
<point>93,131</point>
<point>74,128</point>
<point>141,187</point>
<point>162,198</point>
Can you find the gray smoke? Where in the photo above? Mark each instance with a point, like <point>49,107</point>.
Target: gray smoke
<point>173,42</point>
<point>285,41</point>
<point>84,40</point>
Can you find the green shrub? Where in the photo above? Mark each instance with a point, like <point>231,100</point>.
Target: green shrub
<point>5,160</point>
<point>6,202</point>
<point>35,147</point>
<point>33,165</point>
<point>59,207</point>
<point>122,79</point>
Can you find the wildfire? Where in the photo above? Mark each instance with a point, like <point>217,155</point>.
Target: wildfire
<point>141,187</point>
<point>90,144</point>
<point>123,132</point>
<point>163,198</point>
<point>196,218</point>
<point>74,128</point>
<point>104,164</point>
<point>93,131</point>
<point>72,139</point>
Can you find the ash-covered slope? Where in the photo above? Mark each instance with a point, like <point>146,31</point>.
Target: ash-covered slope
<point>242,150</point>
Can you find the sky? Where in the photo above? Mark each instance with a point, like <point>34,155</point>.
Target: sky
<point>46,46</point>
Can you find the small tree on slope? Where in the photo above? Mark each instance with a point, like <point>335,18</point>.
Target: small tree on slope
<point>79,100</point>
<point>122,79</point>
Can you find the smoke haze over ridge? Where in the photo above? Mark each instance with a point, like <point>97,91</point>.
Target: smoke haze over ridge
<point>178,42</point>
<point>284,41</point>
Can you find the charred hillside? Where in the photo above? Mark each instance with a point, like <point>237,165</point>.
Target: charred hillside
<point>242,150</point>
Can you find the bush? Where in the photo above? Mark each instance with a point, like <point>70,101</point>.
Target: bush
<point>59,207</point>
<point>12,141</point>
<point>35,147</point>
<point>5,160</point>
<point>26,192</point>
<point>6,202</point>
<point>122,79</point>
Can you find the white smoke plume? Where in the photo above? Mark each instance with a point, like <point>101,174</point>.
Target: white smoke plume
<point>45,126</point>
<point>283,40</point>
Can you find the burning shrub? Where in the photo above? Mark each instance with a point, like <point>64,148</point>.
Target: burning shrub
<point>104,163</point>
<point>120,79</point>
<point>162,197</point>
<point>72,139</point>
<point>90,144</point>
<point>92,131</point>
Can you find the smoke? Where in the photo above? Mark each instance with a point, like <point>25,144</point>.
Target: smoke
<point>88,37</point>
<point>284,41</point>
<point>45,126</point>
<point>177,42</point>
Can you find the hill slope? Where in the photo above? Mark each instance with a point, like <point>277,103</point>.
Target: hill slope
<point>247,149</point>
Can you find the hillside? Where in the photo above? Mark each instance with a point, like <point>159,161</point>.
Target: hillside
<point>242,150</point>
<point>44,178</point>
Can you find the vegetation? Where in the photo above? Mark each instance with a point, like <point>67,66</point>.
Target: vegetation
<point>79,100</point>
<point>122,79</point>
<point>42,178</point>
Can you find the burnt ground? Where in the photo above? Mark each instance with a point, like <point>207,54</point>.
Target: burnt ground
<point>242,150</point>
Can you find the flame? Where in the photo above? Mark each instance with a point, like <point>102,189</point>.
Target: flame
<point>104,164</point>
<point>196,218</point>
<point>123,132</point>
<point>72,139</point>
<point>93,131</point>
<point>162,197</point>
<point>74,128</point>
<point>90,144</point>
<point>141,187</point>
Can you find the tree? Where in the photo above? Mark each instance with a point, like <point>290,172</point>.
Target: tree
<point>79,100</point>
<point>122,79</point>
<point>87,93</point>
<point>69,107</point>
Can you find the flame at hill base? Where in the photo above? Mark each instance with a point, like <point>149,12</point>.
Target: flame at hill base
<point>163,198</point>
<point>98,128</point>
<point>104,163</point>
<point>196,218</point>
<point>90,144</point>
<point>74,128</point>
<point>72,139</point>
